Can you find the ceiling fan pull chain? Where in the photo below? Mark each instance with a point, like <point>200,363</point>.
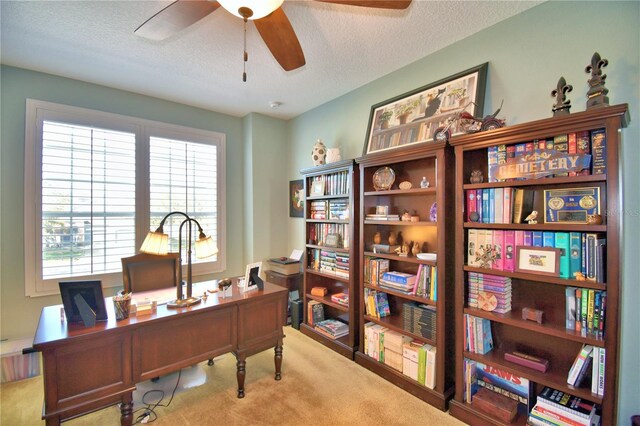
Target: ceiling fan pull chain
<point>246,55</point>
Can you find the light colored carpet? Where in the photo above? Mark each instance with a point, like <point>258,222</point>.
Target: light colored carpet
<point>318,387</point>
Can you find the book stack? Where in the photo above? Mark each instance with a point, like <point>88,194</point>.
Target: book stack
<point>558,408</point>
<point>328,261</point>
<point>340,298</point>
<point>478,337</point>
<point>376,303</point>
<point>393,343</point>
<point>342,265</point>
<point>338,209</point>
<point>374,268</point>
<point>374,216</point>
<point>410,356</point>
<point>485,285</point>
<point>332,328</point>
<point>372,345</point>
<point>419,319</point>
<point>398,281</point>
<point>318,210</point>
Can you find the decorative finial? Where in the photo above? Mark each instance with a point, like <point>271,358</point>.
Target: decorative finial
<point>562,105</point>
<point>597,94</point>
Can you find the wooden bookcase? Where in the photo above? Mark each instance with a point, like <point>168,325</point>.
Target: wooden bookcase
<point>551,339</point>
<point>338,194</point>
<point>433,161</point>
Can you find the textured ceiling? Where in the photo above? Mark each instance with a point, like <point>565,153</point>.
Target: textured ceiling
<point>345,47</point>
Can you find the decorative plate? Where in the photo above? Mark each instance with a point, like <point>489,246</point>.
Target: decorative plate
<point>383,178</point>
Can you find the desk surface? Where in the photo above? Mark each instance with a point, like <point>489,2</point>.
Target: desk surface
<point>53,327</point>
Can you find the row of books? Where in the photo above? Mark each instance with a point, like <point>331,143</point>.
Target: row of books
<point>376,303</point>
<point>414,359</point>
<point>420,132</point>
<point>334,183</point>
<point>374,269</point>
<point>489,292</point>
<point>329,262</point>
<point>419,319</point>
<point>588,365</point>
<point>329,209</point>
<point>341,298</point>
<point>477,335</point>
<point>586,310</point>
<point>589,143</point>
<point>498,205</point>
<point>558,408</point>
<point>580,252</point>
<point>315,312</point>
<point>322,233</point>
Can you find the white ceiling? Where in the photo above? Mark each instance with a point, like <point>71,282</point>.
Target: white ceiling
<point>345,47</point>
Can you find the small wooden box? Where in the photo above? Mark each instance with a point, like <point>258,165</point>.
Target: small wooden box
<point>495,405</point>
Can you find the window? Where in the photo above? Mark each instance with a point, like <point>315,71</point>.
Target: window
<point>96,183</point>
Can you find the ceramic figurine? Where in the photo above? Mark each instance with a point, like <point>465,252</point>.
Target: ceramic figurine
<point>406,217</point>
<point>424,183</point>
<point>416,248</point>
<point>377,238</point>
<point>333,155</point>
<point>476,176</point>
<point>392,238</point>
<point>319,153</point>
<point>594,219</point>
<point>532,219</point>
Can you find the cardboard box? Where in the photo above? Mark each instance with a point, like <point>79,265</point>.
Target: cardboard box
<point>15,364</point>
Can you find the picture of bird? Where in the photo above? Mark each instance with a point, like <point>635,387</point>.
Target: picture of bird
<point>433,104</point>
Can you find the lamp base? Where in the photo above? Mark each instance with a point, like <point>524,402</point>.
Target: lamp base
<point>183,303</point>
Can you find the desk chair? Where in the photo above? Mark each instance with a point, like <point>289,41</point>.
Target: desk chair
<point>144,272</point>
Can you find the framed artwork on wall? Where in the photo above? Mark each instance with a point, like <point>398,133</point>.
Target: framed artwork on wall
<point>296,198</point>
<point>413,117</point>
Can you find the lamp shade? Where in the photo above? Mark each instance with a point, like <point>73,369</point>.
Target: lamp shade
<point>260,8</point>
<point>205,247</point>
<point>155,243</point>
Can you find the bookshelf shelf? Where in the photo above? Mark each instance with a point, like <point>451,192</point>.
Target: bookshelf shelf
<point>410,164</point>
<point>323,257</point>
<point>553,339</point>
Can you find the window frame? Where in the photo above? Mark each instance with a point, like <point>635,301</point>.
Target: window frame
<point>38,111</point>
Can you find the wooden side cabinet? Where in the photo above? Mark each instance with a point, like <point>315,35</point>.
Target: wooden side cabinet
<point>290,282</point>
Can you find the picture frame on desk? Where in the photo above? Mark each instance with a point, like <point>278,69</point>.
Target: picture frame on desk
<point>252,280</point>
<point>412,117</point>
<point>83,301</point>
<point>538,260</point>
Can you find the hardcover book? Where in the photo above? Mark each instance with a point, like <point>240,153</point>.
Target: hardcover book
<point>579,364</point>
<point>599,150</point>
<point>501,381</point>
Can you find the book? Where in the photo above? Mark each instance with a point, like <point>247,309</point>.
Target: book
<point>537,238</point>
<point>470,379</point>
<point>486,212</point>
<point>471,203</point>
<point>562,242</point>
<point>498,205</point>
<point>430,368</point>
<point>479,204</point>
<point>572,148</point>
<point>570,317</point>
<point>399,277</point>
<point>601,369</point>
<point>492,162</point>
<point>599,151</point>
<point>583,146</point>
<point>561,144</point>
<point>507,205</point>
<point>595,354</point>
<point>575,257</point>
<point>509,263</point>
<point>547,416</point>
<point>504,382</point>
<point>340,298</point>
<point>579,364</point>
<point>472,246</point>
<point>548,239</point>
<point>578,309</point>
<point>498,244</point>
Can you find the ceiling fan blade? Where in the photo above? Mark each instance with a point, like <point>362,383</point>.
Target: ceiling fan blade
<point>175,17</point>
<point>380,4</point>
<point>277,33</point>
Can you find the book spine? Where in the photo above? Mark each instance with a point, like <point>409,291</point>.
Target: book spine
<point>578,364</point>
<point>486,213</point>
<point>601,370</point>
<point>471,203</point>
<point>554,417</point>
<point>492,162</point>
<point>492,205</point>
<point>548,239</point>
<point>507,204</point>
<point>599,150</point>
<point>594,370</point>
<point>498,244</point>
<point>572,146</point>
<point>479,194</point>
<point>575,258</point>
<point>498,205</point>
<point>578,309</point>
<point>537,240</point>
<point>583,142</point>
<point>510,250</point>
<point>502,157</point>
<point>570,293</point>
<point>584,309</point>
<point>562,242</point>
<point>561,144</point>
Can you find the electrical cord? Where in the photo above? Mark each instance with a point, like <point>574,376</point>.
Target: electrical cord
<point>149,414</point>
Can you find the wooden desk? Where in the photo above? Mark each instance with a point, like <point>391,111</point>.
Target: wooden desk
<point>89,368</point>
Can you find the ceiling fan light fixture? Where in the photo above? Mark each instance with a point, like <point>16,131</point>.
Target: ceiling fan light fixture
<point>259,8</point>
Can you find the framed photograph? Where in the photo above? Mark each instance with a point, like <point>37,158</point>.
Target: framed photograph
<point>538,260</point>
<point>317,188</point>
<point>252,280</point>
<point>82,298</point>
<point>413,117</point>
<point>296,198</point>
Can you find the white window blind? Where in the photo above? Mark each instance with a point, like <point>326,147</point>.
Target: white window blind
<point>88,200</point>
<point>183,177</point>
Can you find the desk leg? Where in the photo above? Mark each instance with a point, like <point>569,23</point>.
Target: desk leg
<point>241,373</point>
<point>278,360</point>
<point>126,409</point>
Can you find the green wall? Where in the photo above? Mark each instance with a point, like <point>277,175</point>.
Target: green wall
<point>19,314</point>
<point>527,54</point>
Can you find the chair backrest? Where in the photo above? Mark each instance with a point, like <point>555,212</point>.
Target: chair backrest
<point>143,271</point>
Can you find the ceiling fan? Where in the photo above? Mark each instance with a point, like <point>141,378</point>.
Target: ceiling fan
<point>270,20</point>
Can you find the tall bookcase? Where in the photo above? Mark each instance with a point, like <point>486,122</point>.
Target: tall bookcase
<point>551,339</point>
<point>331,250</point>
<point>430,226</point>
